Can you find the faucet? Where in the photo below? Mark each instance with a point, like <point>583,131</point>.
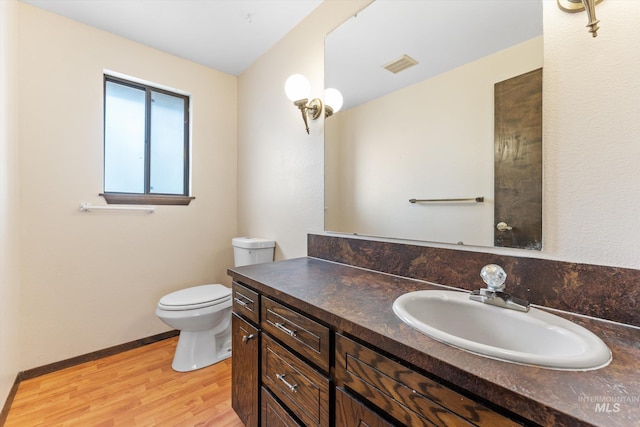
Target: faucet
<point>494,276</point>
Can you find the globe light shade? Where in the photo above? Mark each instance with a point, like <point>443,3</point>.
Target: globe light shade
<point>297,87</point>
<point>333,98</point>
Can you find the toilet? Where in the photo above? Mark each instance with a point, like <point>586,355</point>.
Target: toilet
<point>202,313</point>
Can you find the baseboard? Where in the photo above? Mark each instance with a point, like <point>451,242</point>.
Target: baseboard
<point>10,397</point>
<point>56,366</point>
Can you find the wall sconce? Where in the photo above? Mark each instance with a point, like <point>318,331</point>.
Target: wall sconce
<point>573,6</point>
<point>332,101</point>
<point>297,88</point>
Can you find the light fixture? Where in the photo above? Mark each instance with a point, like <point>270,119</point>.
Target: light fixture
<point>573,6</point>
<point>297,88</point>
<point>332,101</point>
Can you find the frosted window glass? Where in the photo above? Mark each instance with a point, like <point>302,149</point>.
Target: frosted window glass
<point>146,142</point>
<point>167,144</point>
<point>124,145</point>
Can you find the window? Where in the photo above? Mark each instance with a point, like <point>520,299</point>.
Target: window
<point>146,144</point>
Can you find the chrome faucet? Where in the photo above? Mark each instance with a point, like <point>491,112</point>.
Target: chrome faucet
<point>494,276</point>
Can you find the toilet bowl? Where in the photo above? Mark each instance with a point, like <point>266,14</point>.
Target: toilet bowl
<point>202,314</point>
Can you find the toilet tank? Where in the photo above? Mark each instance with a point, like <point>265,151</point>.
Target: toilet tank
<point>252,250</point>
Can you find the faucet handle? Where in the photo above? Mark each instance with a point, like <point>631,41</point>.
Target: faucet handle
<point>494,276</point>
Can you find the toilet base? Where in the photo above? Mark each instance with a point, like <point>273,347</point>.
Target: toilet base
<point>197,350</point>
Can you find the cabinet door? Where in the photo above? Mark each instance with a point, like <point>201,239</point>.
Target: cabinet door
<point>244,371</point>
<point>351,413</point>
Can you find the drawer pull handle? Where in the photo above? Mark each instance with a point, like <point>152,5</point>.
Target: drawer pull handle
<point>291,387</point>
<point>246,338</point>
<point>242,303</point>
<point>286,330</point>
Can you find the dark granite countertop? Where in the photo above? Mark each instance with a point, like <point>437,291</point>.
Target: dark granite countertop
<point>359,302</point>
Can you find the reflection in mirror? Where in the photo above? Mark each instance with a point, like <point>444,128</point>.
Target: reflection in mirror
<point>428,132</point>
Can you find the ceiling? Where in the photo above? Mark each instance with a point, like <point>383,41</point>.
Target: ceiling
<point>226,35</point>
<point>229,35</point>
<point>439,34</point>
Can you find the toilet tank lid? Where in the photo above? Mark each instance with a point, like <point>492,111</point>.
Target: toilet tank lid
<point>252,243</point>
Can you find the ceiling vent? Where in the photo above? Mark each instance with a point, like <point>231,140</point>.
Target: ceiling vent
<point>400,64</point>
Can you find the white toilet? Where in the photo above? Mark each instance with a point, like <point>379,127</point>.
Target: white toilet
<point>202,313</point>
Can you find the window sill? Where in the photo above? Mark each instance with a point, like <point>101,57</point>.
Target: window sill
<point>146,199</point>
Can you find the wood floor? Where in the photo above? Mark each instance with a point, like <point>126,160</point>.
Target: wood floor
<point>133,388</point>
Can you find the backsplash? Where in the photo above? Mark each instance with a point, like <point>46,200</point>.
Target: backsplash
<point>605,292</point>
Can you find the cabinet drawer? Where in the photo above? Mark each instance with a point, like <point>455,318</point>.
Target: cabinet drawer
<point>301,388</point>
<point>307,337</point>
<point>246,302</point>
<point>351,413</point>
<point>273,414</point>
<point>407,395</point>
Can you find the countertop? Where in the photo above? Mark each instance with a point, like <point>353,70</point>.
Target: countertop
<point>359,302</point>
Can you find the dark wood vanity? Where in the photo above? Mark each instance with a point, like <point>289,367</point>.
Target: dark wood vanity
<point>316,343</point>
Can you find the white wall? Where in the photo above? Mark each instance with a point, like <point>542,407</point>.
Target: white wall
<point>92,280</point>
<point>433,139</point>
<point>9,209</point>
<point>591,136</point>
<point>280,167</point>
<point>591,124</point>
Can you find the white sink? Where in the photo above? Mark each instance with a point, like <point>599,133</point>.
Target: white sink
<point>533,338</point>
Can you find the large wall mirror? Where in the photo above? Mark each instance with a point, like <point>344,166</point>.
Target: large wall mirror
<point>440,130</point>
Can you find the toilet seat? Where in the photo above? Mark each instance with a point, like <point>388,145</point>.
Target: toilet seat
<point>195,297</point>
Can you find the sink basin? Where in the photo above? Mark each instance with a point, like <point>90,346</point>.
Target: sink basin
<point>533,338</point>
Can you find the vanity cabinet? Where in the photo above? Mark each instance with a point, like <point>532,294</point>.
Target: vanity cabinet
<point>280,363</point>
<point>335,322</point>
<point>299,372</point>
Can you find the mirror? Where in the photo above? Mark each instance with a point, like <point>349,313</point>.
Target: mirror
<point>431,131</point>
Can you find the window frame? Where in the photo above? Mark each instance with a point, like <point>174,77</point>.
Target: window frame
<point>148,197</point>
